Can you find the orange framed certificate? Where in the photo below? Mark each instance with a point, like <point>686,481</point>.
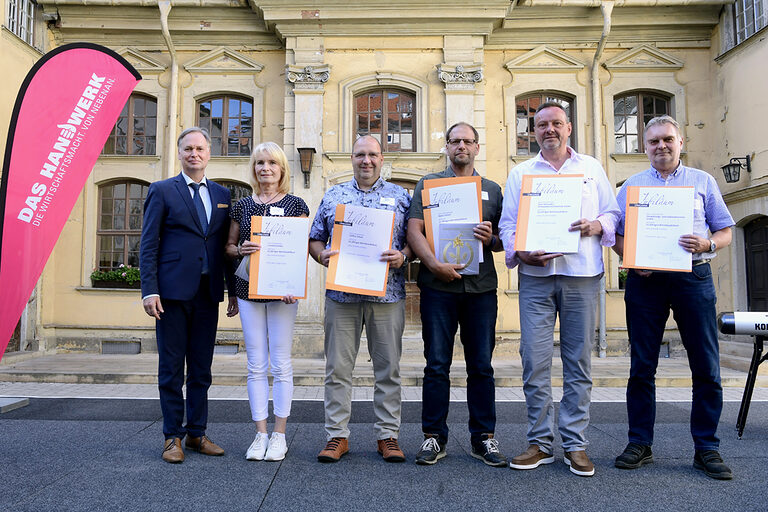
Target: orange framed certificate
<point>360,235</point>
<point>444,200</point>
<point>655,219</point>
<point>280,267</point>
<point>548,204</point>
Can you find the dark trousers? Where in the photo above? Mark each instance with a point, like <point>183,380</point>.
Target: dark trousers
<point>691,297</point>
<point>186,331</point>
<point>441,315</point>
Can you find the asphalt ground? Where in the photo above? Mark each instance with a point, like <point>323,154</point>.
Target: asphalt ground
<point>104,454</point>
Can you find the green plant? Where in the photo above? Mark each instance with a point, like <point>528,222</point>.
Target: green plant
<point>127,274</point>
<point>622,277</point>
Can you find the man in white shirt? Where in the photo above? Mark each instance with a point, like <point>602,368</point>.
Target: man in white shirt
<point>553,284</point>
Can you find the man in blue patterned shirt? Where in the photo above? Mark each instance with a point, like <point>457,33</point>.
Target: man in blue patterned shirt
<point>690,295</point>
<point>347,313</point>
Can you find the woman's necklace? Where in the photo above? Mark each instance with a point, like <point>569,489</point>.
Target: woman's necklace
<point>268,200</point>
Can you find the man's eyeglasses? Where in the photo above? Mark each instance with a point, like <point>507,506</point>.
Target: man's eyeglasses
<point>456,142</point>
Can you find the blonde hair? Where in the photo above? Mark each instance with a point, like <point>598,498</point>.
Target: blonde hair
<point>275,152</point>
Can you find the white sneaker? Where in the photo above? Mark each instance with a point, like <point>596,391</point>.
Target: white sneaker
<point>258,447</point>
<point>277,447</point>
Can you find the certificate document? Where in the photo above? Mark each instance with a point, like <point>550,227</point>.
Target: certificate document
<point>456,199</point>
<point>656,217</point>
<point>280,267</point>
<point>457,245</point>
<point>360,235</point>
<point>548,205</point>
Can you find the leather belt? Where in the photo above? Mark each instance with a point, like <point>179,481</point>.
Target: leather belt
<point>700,262</point>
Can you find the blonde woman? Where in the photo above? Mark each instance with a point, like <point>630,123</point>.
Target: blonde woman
<point>267,324</point>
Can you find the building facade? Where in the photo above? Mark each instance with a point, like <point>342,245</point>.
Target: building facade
<point>318,74</point>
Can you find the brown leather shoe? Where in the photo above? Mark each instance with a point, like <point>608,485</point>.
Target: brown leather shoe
<point>203,445</point>
<point>334,449</point>
<point>531,458</point>
<point>579,463</point>
<point>390,450</point>
<point>172,451</point>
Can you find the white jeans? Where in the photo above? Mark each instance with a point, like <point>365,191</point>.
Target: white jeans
<point>268,333</point>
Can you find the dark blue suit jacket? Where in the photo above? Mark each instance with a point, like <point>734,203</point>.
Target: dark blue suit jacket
<point>172,242</point>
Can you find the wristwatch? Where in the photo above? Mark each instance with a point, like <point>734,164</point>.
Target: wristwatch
<point>405,258</point>
<point>712,245</point>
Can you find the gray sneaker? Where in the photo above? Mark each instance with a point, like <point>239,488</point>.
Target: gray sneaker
<point>431,451</point>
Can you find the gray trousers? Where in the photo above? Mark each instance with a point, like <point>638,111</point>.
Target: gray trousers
<point>384,324</point>
<point>574,299</point>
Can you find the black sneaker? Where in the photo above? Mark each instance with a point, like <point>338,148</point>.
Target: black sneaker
<point>634,456</point>
<point>431,451</point>
<point>712,464</point>
<point>487,450</point>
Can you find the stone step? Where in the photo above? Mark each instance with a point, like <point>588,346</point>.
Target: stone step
<point>736,348</point>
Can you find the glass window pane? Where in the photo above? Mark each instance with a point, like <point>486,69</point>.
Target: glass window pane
<point>632,146</point>
<point>121,144</point>
<point>647,105</point>
<point>618,106</point>
<point>106,222</point>
<point>138,126</point>
<point>106,191</point>
<point>630,104</point>
<point>234,107</point>
<point>216,128</point>
<point>121,127</point>
<point>619,124</point>
<point>134,222</point>
<point>620,144</point>
<point>217,107</point>
<point>393,123</point>
<point>246,109</point>
<point>205,109</point>
<point>632,124</point>
<point>216,145</point>
<point>406,122</point>
<point>376,123</point>
<point>661,106</point>
<point>375,99</point>
<point>119,190</point>
<point>362,103</point>
<point>151,108</point>
<point>362,123</point>
<point>138,107</point>
<point>233,148</point>
<point>151,146</point>
<point>105,243</point>
<point>109,146</point>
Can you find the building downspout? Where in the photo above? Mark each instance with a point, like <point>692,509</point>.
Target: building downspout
<point>606,8</point>
<point>173,92</point>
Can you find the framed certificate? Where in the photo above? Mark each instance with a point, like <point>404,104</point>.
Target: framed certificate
<point>446,200</point>
<point>548,205</point>
<point>280,267</point>
<point>360,235</point>
<point>655,219</point>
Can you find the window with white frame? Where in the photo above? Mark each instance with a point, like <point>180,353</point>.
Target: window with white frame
<point>21,19</point>
<point>749,16</point>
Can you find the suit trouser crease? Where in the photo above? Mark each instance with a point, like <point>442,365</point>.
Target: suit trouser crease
<point>691,298</point>
<point>442,314</point>
<point>573,300</point>
<point>268,334</point>
<point>186,332</point>
<point>384,324</point>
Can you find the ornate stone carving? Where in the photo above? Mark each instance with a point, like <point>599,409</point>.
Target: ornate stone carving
<point>308,74</point>
<point>459,74</point>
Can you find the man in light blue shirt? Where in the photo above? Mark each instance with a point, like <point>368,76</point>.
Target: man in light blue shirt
<point>690,295</point>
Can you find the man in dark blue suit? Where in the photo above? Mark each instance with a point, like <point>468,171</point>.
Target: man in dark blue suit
<point>183,266</point>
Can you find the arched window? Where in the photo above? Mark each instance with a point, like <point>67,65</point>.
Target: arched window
<point>135,131</point>
<point>630,113</point>
<point>526,108</point>
<point>389,116</point>
<point>229,120</point>
<point>121,210</point>
<point>236,189</point>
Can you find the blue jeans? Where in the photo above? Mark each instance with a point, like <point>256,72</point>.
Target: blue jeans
<point>441,315</point>
<point>691,297</point>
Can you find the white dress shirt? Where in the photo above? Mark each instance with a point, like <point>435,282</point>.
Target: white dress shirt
<point>204,194</point>
<point>598,202</point>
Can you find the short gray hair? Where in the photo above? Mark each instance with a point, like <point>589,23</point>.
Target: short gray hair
<point>665,119</point>
<point>194,129</point>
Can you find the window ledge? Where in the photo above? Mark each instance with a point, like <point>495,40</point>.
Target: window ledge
<point>132,158</point>
<point>521,158</point>
<point>629,157</point>
<point>391,156</point>
<point>90,289</point>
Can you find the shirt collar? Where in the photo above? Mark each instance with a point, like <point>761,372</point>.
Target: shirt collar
<point>452,173</point>
<point>572,155</point>
<point>674,174</point>
<point>189,180</point>
<point>378,183</point>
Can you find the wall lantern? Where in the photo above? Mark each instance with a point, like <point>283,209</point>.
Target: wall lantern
<point>305,160</point>
<point>732,170</point>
